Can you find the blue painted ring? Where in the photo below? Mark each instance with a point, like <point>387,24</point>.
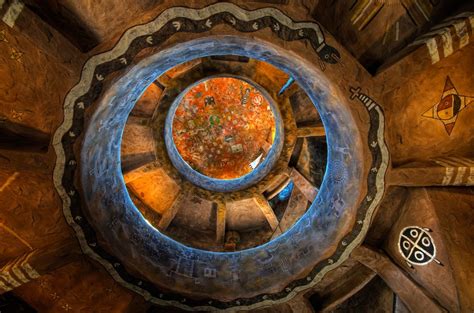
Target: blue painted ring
<point>125,232</point>
<point>224,185</point>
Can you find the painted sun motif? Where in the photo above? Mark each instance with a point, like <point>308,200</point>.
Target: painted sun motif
<point>448,108</point>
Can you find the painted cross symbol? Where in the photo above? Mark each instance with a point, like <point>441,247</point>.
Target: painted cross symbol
<point>416,246</point>
<point>355,92</point>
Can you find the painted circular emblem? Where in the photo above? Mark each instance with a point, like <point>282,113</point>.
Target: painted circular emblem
<point>416,245</point>
<point>449,107</point>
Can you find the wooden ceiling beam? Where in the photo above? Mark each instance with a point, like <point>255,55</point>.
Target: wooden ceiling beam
<point>296,207</point>
<point>448,171</point>
<point>304,185</point>
<point>170,213</point>
<point>134,164</point>
<point>300,304</point>
<point>269,214</point>
<point>340,291</point>
<point>310,131</point>
<point>32,265</point>
<point>18,137</point>
<point>412,295</point>
<point>138,172</point>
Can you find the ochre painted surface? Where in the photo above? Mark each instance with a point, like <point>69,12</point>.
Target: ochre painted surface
<point>76,287</point>
<point>417,135</point>
<point>155,189</point>
<point>27,97</point>
<point>222,125</point>
<point>453,207</point>
<point>30,217</point>
<point>438,281</point>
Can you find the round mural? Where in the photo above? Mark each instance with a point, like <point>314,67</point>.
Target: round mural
<point>223,127</point>
<point>224,133</point>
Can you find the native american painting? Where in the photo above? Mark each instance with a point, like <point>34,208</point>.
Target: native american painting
<point>223,127</point>
<point>449,107</point>
<point>416,246</point>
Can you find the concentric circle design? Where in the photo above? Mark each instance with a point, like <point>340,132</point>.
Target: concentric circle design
<point>226,142</point>
<point>114,231</point>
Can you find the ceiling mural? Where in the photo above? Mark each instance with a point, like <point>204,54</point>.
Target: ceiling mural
<point>81,97</point>
<point>223,127</point>
<point>236,156</point>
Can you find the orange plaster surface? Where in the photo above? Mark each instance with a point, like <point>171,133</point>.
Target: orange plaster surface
<point>221,126</point>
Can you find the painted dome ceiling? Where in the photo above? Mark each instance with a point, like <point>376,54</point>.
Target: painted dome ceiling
<point>223,127</point>
<point>262,156</point>
<point>218,131</point>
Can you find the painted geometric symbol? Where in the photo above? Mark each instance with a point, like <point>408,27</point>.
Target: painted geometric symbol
<point>257,100</point>
<point>416,246</point>
<point>448,108</point>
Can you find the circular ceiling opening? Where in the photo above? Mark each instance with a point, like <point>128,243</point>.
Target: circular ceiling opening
<point>206,91</point>
<point>224,133</point>
<point>223,127</point>
<point>114,231</point>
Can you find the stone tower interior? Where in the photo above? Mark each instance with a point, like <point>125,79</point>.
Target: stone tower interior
<point>288,156</point>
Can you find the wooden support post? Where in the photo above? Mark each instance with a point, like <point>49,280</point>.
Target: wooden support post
<point>169,214</point>
<point>220,221</point>
<point>311,131</point>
